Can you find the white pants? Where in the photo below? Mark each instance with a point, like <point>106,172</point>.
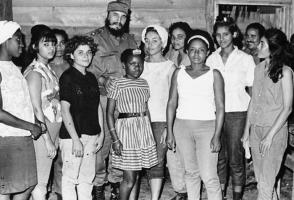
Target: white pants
<point>78,172</point>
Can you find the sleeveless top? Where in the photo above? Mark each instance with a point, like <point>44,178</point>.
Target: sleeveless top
<point>195,96</point>
<point>15,98</point>
<point>50,90</point>
<point>267,98</point>
<point>158,76</point>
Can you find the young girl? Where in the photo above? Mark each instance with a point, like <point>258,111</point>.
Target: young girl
<point>81,133</point>
<point>43,87</point>
<point>158,72</point>
<point>196,100</point>
<point>18,173</point>
<point>270,106</point>
<point>237,69</point>
<point>133,142</point>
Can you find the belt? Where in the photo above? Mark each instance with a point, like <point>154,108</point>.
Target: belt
<point>128,115</point>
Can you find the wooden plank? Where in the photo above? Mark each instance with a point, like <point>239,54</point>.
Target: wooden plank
<point>255,2</point>
<point>91,17</point>
<point>6,10</point>
<point>103,3</point>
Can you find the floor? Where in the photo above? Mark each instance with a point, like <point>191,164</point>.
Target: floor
<point>250,193</point>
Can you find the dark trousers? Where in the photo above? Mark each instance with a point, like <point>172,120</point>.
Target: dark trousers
<point>158,172</point>
<point>231,160</point>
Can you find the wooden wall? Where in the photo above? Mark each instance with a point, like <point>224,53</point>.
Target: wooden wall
<point>81,16</point>
<point>5,9</point>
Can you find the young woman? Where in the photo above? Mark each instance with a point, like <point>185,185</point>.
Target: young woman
<point>44,92</point>
<point>81,133</point>
<point>158,72</point>
<point>59,64</point>
<point>178,32</point>
<point>133,142</point>
<point>270,106</point>
<point>18,173</point>
<point>237,69</point>
<point>195,115</point>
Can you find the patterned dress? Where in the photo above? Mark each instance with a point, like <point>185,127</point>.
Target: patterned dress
<point>135,133</point>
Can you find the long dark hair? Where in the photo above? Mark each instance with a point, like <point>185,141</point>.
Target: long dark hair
<point>226,21</point>
<point>281,53</point>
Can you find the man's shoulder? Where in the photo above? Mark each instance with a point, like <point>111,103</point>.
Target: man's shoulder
<point>97,32</point>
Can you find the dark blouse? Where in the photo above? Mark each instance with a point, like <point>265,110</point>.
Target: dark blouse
<point>82,93</point>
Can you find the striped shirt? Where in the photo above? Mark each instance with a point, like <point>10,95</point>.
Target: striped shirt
<point>131,94</point>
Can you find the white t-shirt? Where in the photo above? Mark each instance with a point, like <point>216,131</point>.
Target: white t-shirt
<point>238,72</point>
<point>158,76</point>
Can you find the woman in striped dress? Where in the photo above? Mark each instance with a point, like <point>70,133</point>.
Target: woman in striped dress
<point>133,145</point>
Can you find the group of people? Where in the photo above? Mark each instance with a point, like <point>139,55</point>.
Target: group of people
<point>100,109</point>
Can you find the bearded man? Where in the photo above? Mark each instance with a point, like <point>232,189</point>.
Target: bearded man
<point>112,40</point>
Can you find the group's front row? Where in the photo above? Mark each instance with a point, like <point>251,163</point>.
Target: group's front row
<point>201,106</point>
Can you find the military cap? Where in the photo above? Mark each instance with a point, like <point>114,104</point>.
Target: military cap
<point>119,5</point>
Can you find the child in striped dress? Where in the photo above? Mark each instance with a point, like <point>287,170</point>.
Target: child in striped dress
<point>133,145</point>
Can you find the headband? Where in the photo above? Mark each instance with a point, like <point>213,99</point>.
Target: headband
<point>199,37</point>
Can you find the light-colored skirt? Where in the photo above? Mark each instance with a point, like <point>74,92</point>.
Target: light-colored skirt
<point>139,147</point>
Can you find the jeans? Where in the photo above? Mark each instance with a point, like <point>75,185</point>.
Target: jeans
<point>232,155</point>
<point>267,167</point>
<point>157,172</point>
<point>113,175</point>
<point>176,171</point>
<point>78,172</point>
<point>193,139</point>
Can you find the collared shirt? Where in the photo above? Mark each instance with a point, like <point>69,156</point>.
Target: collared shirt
<point>82,93</point>
<point>238,72</point>
<point>106,61</point>
<point>267,98</point>
<point>158,76</point>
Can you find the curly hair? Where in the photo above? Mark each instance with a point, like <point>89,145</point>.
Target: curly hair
<point>75,42</point>
<point>226,21</point>
<point>281,53</point>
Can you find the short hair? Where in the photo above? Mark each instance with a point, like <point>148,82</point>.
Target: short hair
<point>40,32</point>
<point>61,32</point>
<point>257,26</point>
<point>204,34</point>
<point>128,53</point>
<point>226,21</point>
<point>75,42</point>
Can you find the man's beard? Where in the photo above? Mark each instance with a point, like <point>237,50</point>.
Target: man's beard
<point>117,32</point>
